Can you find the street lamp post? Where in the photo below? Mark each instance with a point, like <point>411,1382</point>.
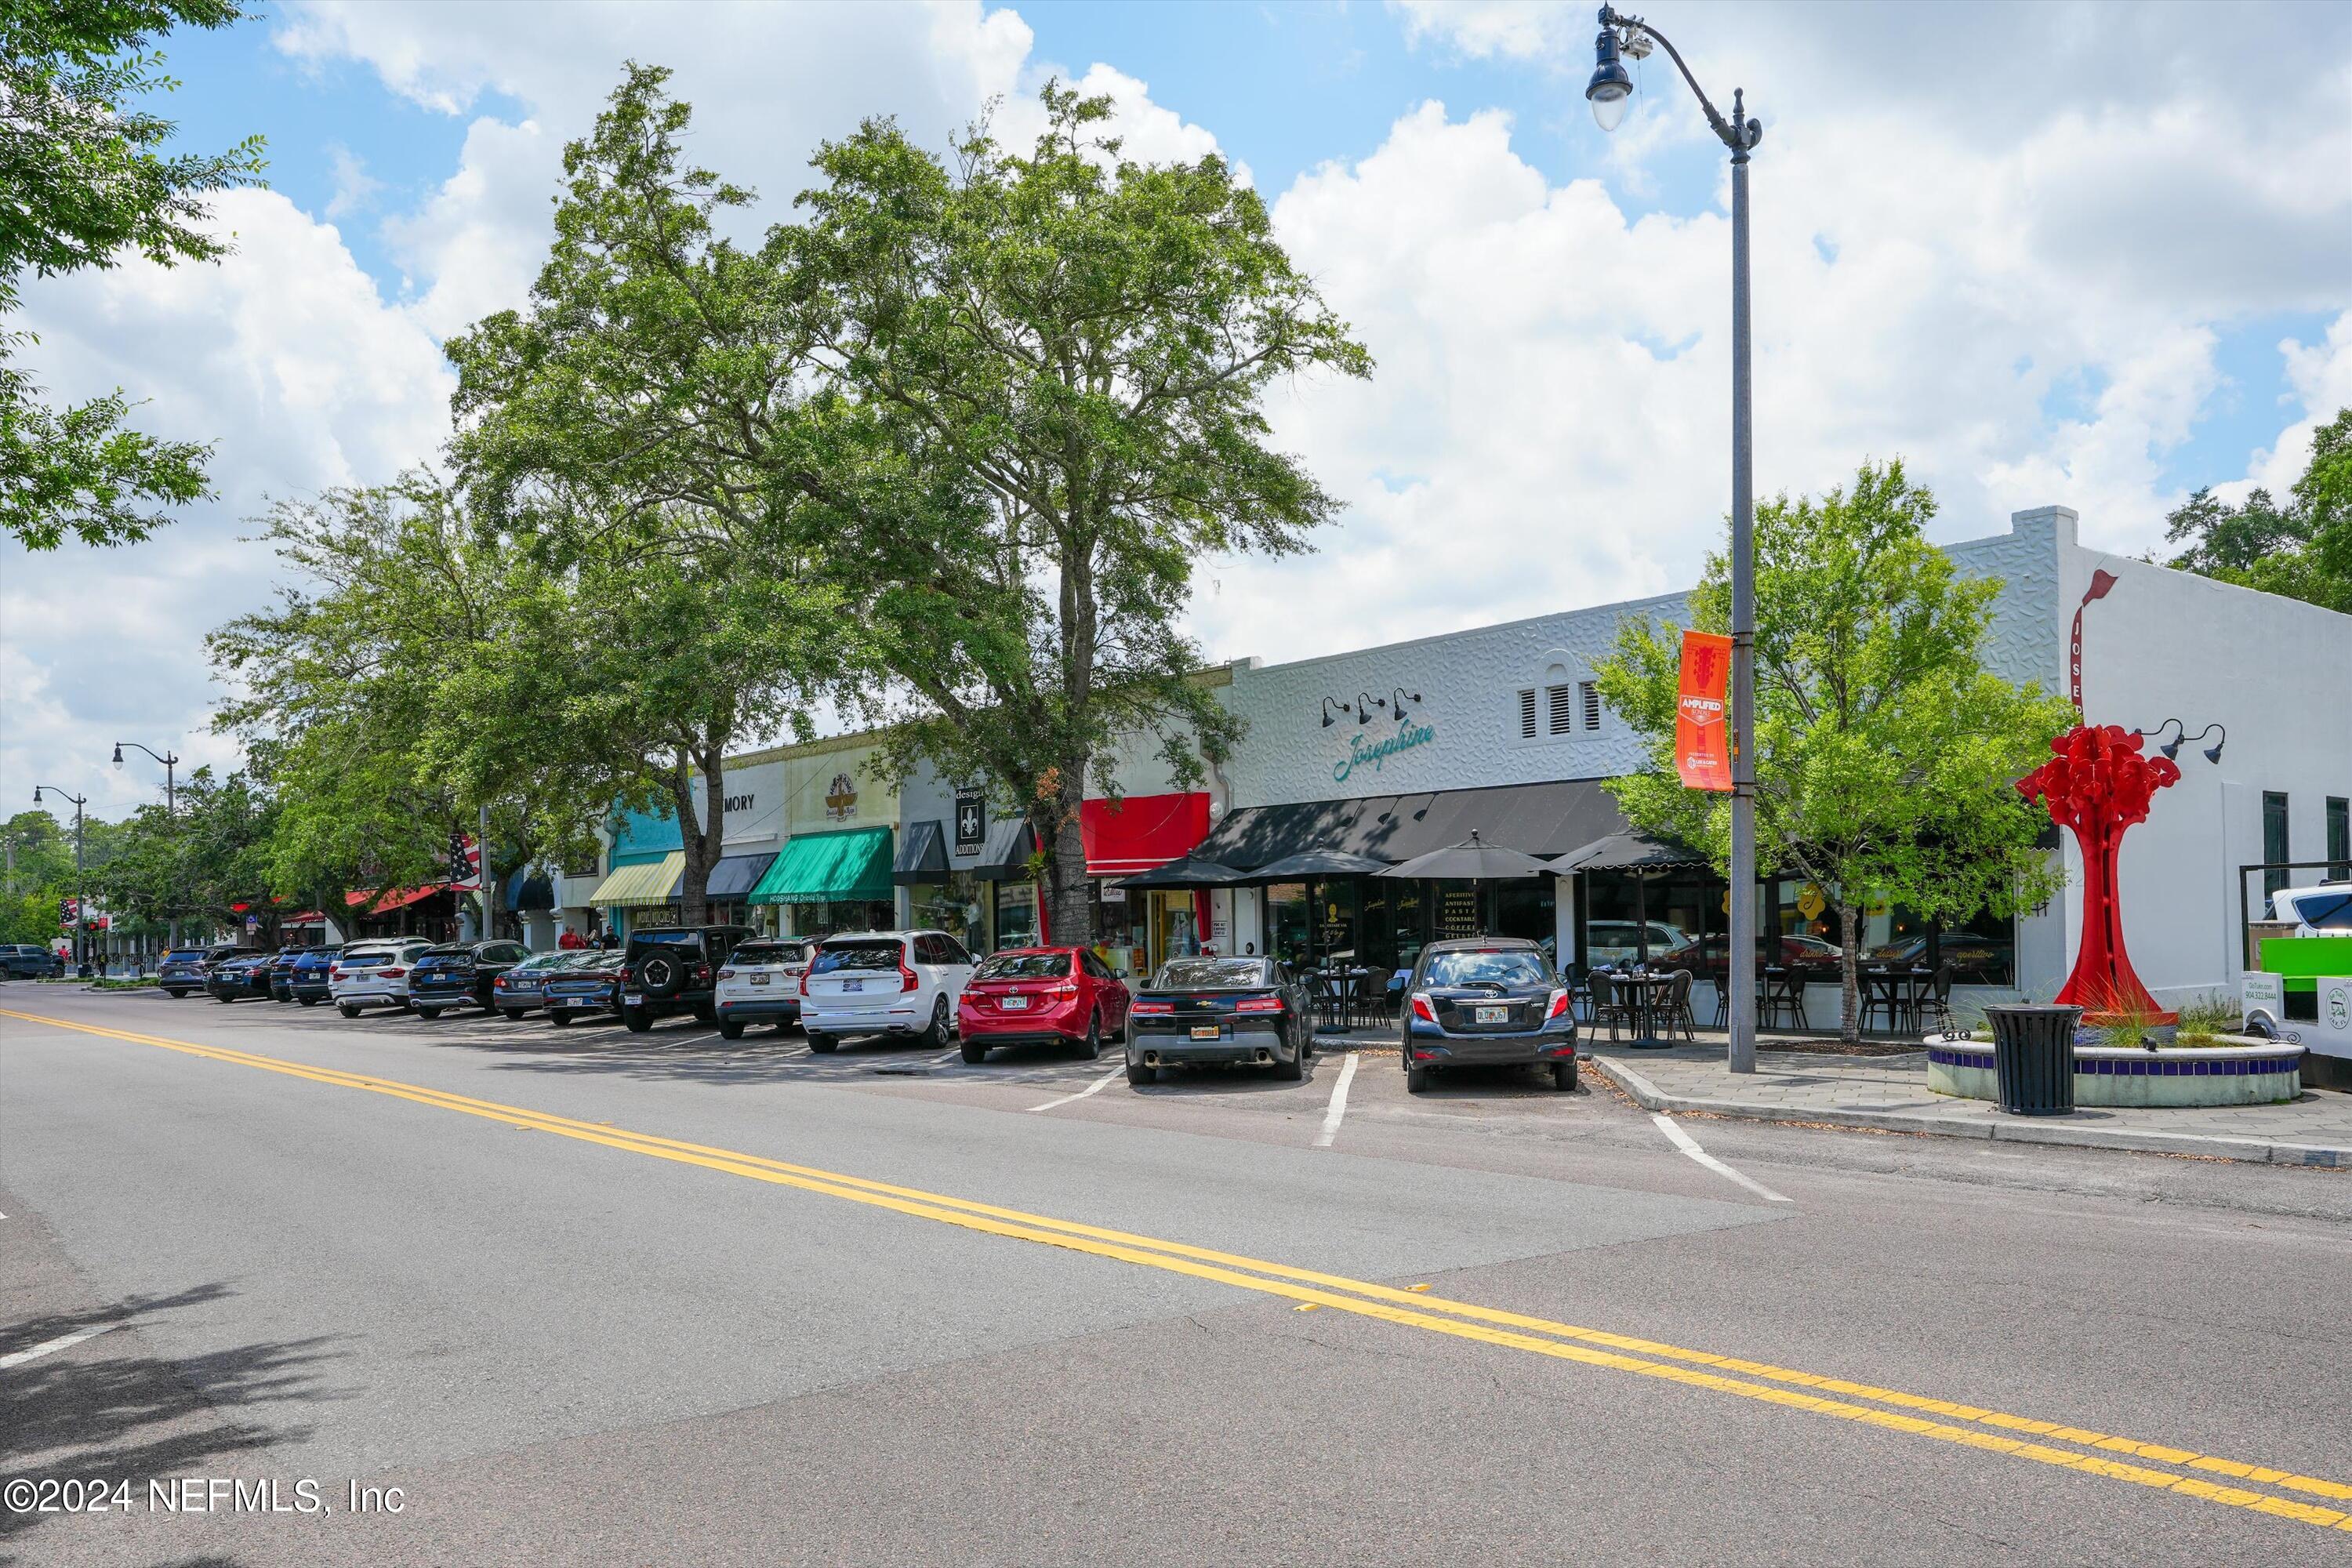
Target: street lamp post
<point>81,892</point>
<point>171,800</point>
<point>1610,88</point>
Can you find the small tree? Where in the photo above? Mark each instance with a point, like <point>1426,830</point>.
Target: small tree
<point>2302,550</point>
<point>1886,755</point>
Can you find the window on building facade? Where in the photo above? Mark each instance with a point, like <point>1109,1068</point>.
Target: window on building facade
<point>1590,693</point>
<point>593,865</point>
<point>2274,839</point>
<point>1527,713</point>
<point>2339,838</point>
<point>1561,715</point>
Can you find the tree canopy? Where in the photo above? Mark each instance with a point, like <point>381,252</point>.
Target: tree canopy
<point>2302,550</point>
<point>83,183</point>
<point>1886,755</point>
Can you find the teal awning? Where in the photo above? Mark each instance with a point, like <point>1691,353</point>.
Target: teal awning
<point>849,866</point>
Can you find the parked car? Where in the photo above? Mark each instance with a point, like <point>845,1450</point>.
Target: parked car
<point>1976,960</point>
<point>760,983</point>
<point>591,985</point>
<point>281,972</point>
<point>2322,911</point>
<point>1230,1010</point>
<point>460,972</point>
<point>183,969</point>
<point>1619,941</point>
<point>374,973</point>
<point>307,983</point>
<point>29,961</point>
<point>241,976</point>
<point>1041,995</point>
<point>1819,959</point>
<point>883,983</point>
<point>1485,1002</point>
<point>669,971</point>
<point>520,989</point>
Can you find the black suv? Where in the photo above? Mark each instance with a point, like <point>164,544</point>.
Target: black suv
<point>668,972</point>
<point>460,972</point>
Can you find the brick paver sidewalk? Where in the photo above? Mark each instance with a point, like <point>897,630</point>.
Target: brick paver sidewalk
<point>1892,1091</point>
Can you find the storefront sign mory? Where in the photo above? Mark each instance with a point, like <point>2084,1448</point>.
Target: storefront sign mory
<point>1361,752</point>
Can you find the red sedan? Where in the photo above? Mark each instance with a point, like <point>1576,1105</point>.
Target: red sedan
<point>1041,995</point>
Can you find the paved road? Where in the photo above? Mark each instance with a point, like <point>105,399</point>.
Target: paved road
<point>581,1296</point>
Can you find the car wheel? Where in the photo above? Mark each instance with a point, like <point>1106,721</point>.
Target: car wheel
<point>975,1051</point>
<point>936,1037</point>
<point>730,1029</point>
<point>1090,1049</point>
<point>308,1001</point>
<point>637,1019</point>
<point>560,1019</point>
<point>176,995</point>
<point>1416,1080</point>
<point>1293,1070</point>
<point>1563,1076</point>
<point>824,1045</point>
<point>428,1011</point>
<point>514,1014</point>
<point>1139,1075</point>
<point>346,1010</point>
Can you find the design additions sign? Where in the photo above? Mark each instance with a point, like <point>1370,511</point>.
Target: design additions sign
<point>1407,735</point>
<point>971,821</point>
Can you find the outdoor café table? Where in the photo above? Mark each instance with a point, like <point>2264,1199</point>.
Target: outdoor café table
<point>1333,989</point>
<point>1642,993</point>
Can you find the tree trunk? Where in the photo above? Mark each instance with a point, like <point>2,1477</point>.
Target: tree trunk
<point>699,842</point>
<point>1850,974</point>
<point>1068,904</point>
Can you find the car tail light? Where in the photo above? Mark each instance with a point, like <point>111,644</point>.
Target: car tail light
<point>627,975</point>
<point>1258,1005</point>
<point>1152,1009</point>
<point>726,974</point>
<point>1421,1009</point>
<point>1067,990</point>
<point>394,973</point>
<point>908,978</point>
<point>702,973</point>
<point>335,974</point>
<point>804,982</point>
<point>1558,1008</point>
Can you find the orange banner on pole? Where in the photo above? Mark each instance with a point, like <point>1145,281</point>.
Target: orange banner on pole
<point>1702,734</point>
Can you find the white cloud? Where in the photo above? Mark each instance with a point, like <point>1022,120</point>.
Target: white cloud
<point>356,188</point>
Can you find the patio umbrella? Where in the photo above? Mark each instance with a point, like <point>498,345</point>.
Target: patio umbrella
<point>1640,857</point>
<point>1186,873</point>
<point>1318,863</point>
<point>1475,861</point>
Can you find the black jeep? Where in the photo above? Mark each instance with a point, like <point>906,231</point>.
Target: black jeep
<point>666,971</point>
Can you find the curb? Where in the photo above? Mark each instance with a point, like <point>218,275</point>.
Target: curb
<point>2253,1151</point>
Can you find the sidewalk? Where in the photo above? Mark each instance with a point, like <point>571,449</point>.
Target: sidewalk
<point>1891,1092</point>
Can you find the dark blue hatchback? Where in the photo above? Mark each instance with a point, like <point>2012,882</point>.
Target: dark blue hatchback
<point>459,973</point>
<point>306,982</point>
<point>1490,1001</point>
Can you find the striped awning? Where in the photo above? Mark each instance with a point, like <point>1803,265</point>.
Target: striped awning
<point>647,882</point>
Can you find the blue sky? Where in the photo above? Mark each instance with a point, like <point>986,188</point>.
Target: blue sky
<point>2047,253</point>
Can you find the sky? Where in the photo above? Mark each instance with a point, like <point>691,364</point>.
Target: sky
<point>2090,255</point>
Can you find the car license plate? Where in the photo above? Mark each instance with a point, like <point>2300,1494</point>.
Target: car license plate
<point>853,986</point>
<point>1014,1004</point>
<point>759,977</point>
<point>1204,1031</point>
<point>1491,1014</point>
<point>633,1001</point>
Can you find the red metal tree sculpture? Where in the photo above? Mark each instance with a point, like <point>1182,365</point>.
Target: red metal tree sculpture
<point>2096,786</point>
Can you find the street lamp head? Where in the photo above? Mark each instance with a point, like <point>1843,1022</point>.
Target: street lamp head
<point>1611,88</point>
<point>37,795</point>
<point>118,754</point>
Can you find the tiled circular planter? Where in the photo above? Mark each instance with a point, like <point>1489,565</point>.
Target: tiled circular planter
<point>2256,1073</point>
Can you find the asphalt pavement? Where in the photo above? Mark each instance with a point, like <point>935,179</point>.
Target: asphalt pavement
<point>480,1291</point>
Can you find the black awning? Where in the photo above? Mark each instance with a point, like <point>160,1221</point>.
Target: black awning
<point>526,890</point>
<point>1004,857</point>
<point>1632,852</point>
<point>1539,819</point>
<point>922,855</point>
<point>736,875</point>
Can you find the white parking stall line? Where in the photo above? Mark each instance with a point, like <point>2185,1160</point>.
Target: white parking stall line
<point>1690,1145</point>
<point>1338,1107</point>
<point>1094,1087</point>
<point>955,1055</point>
<point>33,1353</point>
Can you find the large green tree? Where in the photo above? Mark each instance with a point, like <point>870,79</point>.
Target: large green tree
<point>1886,754</point>
<point>84,182</point>
<point>2302,550</point>
<point>640,423</point>
<point>208,863</point>
<point>1042,382</point>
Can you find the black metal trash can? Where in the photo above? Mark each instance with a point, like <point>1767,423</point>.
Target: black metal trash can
<point>2033,1058</point>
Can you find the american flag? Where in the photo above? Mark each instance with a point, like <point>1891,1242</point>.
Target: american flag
<point>465,863</point>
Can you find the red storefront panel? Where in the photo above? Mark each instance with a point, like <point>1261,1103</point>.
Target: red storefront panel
<point>1137,832</point>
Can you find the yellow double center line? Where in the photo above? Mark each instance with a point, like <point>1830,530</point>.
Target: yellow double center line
<point>1968,1425</point>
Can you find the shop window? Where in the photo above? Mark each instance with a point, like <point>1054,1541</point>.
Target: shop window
<point>2339,838</point>
<point>1527,713</point>
<point>1590,692</point>
<point>1562,713</point>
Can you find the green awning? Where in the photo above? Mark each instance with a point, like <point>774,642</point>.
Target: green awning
<point>848,867</point>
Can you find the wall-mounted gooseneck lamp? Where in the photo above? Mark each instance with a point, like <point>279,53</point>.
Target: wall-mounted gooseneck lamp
<point>1398,697</point>
<point>1365,703</point>
<point>1329,703</point>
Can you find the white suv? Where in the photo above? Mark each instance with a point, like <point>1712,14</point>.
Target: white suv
<point>373,974</point>
<point>760,983</point>
<point>883,983</point>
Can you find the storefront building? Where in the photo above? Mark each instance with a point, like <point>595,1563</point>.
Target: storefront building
<point>963,865</point>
